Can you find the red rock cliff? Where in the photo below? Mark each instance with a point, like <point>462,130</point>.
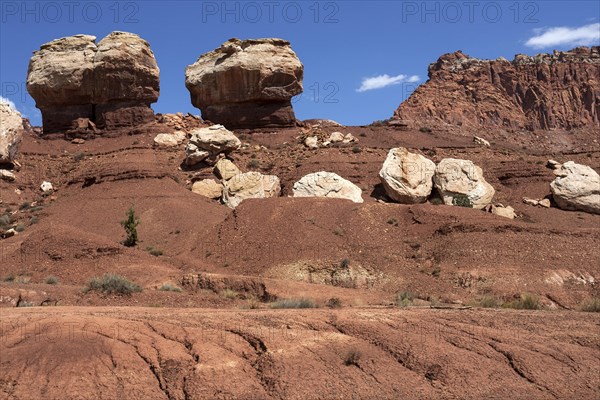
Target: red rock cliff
<point>547,91</point>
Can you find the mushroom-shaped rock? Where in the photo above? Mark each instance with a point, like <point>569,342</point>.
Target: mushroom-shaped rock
<point>11,133</point>
<point>407,177</point>
<point>576,187</point>
<point>327,184</point>
<point>247,83</point>
<point>112,83</point>
<point>210,143</point>
<point>455,178</point>
<point>250,185</point>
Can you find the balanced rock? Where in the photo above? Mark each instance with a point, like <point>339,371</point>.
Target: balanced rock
<point>225,169</point>
<point>210,143</point>
<point>327,184</point>
<point>576,187</point>
<point>208,188</point>
<point>247,83</point>
<point>454,178</point>
<point>111,83</point>
<point>11,133</point>
<point>250,185</point>
<point>407,177</point>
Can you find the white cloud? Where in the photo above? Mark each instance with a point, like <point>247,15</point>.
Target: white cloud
<point>7,101</point>
<point>381,81</point>
<point>562,35</point>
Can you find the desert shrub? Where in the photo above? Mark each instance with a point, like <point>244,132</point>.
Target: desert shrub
<point>462,200</point>
<point>22,279</point>
<point>9,278</point>
<point>436,201</point>
<point>167,287</point>
<point>294,303</point>
<point>334,302</point>
<point>392,221</point>
<point>130,226</point>
<point>425,129</point>
<point>51,280</point>
<point>79,156</point>
<point>252,304</point>
<point>154,252</point>
<point>5,220</point>
<point>525,302</point>
<point>229,294</point>
<point>345,263</point>
<point>352,357</point>
<point>436,271</point>
<point>253,163</point>
<point>404,298</point>
<point>19,228</point>
<point>356,149</point>
<point>25,205</point>
<point>34,220</point>
<point>110,283</point>
<point>488,302</point>
<point>591,305</point>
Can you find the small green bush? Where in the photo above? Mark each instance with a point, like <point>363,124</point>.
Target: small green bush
<point>525,302</point>
<point>352,357</point>
<point>19,228</point>
<point>167,287</point>
<point>294,303</point>
<point>51,280</point>
<point>462,200</point>
<point>110,283</point>
<point>591,305</point>
<point>425,129</point>
<point>345,263</point>
<point>404,299</point>
<point>130,226</point>
<point>154,252</point>
<point>253,164</point>
<point>5,220</point>
<point>25,205</point>
<point>334,302</point>
<point>488,302</point>
<point>229,294</point>
<point>356,149</point>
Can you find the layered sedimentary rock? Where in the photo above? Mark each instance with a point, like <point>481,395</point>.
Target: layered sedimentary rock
<point>11,133</point>
<point>111,83</point>
<point>247,83</point>
<point>547,91</point>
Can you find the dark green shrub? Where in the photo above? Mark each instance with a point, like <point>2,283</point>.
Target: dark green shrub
<point>112,284</point>
<point>130,226</point>
<point>294,303</point>
<point>462,200</point>
<point>334,302</point>
<point>51,280</point>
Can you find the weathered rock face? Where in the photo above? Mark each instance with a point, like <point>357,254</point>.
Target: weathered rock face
<point>456,178</point>
<point>112,83</point>
<point>559,90</point>
<point>327,184</point>
<point>11,133</point>
<point>208,188</point>
<point>247,83</point>
<point>209,143</point>
<point>250,185</point>
<point>576,187</point>
<point>407,177</point>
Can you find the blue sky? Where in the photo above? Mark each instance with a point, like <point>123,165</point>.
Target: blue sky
<point>361,58</point>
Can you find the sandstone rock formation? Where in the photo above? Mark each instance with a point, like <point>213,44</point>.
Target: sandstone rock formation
<point>559,90</point>
<point>250,185</point>
<point>169,139</point>
<point>11,133</point>
<point>209,143</point>
<point>327,184</point>
<point>246,83</point>
<point>111,83</point>
<point>576,187</point>
<point>208,188</point>
<point>456,178</point>
<point>407,177</point>
<point>225,169</point>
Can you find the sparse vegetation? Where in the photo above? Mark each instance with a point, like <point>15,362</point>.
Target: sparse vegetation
<point>5,220</point>
<point>252,164</point>
<point>488,301</point>
<point>9,278</point>
<point>425,129</point>
<point>130,226</point>
<point>167,287</point>
<point>352,357</point>
<point>19,228</point>
<point>525,302</point>
<point>79,156</point>
<point>25,206</point>
<point>591,305</point>
<point>345,263</point>
<point>436,271</point>
<point>22,279</point>
<point>154,252</point>
<point>294,303</point>
<point>462,200</point>
<point>338,231</point>
<point>112,284</point>
<point>334,302</point>
<point>404,299</point>
<point>51,280</point>
<point>34,220</point>
<point>356,149</point>
<point>229,294</point>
